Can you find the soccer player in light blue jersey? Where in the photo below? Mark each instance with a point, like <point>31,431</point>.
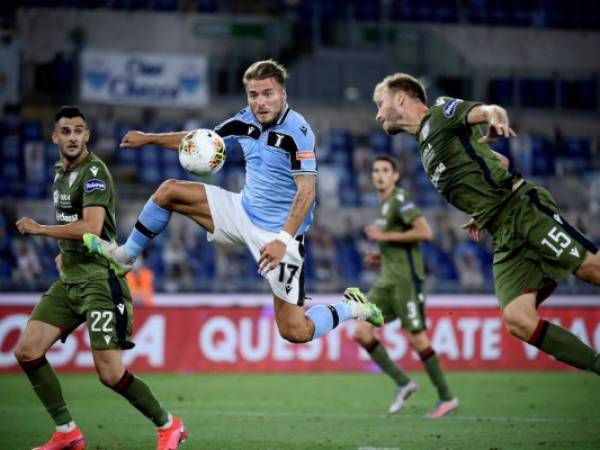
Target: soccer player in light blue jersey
<point>270,215</point>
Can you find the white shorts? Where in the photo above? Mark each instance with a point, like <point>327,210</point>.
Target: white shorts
<point>233,226</point>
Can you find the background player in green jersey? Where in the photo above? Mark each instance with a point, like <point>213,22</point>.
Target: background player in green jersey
<point>533,244</point>
<point>87,291</point>
<point>399,290</point>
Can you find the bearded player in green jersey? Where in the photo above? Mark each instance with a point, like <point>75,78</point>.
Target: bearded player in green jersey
<point>533,244</point>
<point>399,290</point>
<point>87,291</point>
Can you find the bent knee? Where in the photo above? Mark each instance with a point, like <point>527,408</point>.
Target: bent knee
<point>24,353</point>
<point>520,326</point>
<point>165,193</point>
<point>295,333</point>
<point>109,378</point>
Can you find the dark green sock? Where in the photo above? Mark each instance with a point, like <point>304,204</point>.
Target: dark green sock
<point>431,361</point>
<point>47,387</point>
<point>380,356</point>
<point>141,397</point>
<point>564,346</point>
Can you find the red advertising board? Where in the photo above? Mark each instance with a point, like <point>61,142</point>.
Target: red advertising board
<point>245,339</point>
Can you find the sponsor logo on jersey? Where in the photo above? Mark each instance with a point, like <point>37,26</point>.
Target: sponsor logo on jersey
<point>121,308</point>
<point>55,197</point>
<point>407,207</point>
<point>304,130</point>
<point>62,217</point>
<point>428,155</point>
<point>305,155</point>
<point>435,179</point>
<point>106,338</point>
<point>94,170</point>
<point>450,107</point>
<point>574,252</point>
<point>94,185</point>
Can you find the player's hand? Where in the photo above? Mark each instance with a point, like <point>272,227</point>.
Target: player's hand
<point>59,263</point>
<point>473,231</point>
<point>498,127</point>
<point>374,233</point>
<point>26,225</point>
<point>372,260</point>
<point>270,256</point>
<point>133,139</point>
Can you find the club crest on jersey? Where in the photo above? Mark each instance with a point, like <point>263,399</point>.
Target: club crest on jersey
<point>72,178</point>
<point>450,107</point>
<point>94,185</point>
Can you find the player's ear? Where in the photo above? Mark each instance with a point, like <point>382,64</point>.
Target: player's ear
<point>86,136</point>
<point>54,138</point>
<point>399,97</point>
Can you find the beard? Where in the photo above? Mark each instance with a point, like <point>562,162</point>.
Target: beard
<point>71,154</point>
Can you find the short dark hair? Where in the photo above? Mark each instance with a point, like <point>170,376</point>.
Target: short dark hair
<point>388,159</point>
<point>69,112</point>
<point>262,70</point>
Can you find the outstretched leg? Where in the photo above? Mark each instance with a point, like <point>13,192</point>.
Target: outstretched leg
<point>522,321</point>
<point>297,326</point>
<point>183,197</point>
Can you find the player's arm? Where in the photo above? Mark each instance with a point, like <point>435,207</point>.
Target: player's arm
<point>495,117</point>
<point>272,253</point>
<point>305,196</point>
<point>92,222</point>
<point>135,139</point>
<point>419,231</point>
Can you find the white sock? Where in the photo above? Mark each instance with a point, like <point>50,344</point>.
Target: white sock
<point>66,427</point>
<point>168,424</point>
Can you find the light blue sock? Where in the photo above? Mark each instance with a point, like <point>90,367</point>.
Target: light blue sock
<point>152,221</point>
<point>327,317</point>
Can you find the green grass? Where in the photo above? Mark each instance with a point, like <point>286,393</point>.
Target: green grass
<point>500,410</point>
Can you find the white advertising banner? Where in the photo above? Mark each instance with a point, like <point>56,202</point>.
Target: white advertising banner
<point>140,78</point>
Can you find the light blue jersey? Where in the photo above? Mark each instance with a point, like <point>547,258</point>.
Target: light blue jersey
<point>273,157</point>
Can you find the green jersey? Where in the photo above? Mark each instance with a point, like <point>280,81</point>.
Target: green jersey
<point>466,173</point>
<point>399,260</point>
<point>87,184</point>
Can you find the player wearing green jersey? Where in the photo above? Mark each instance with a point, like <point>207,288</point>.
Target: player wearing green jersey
<point>533,244</point>
<point>87,291</point>
<point>399,290</point>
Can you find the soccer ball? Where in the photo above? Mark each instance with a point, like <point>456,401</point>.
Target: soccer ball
<point>202,152</point>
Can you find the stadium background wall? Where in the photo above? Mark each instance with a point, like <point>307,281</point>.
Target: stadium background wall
<point>211,333</point>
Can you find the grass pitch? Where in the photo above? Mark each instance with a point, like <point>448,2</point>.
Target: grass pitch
<point>500,410</point>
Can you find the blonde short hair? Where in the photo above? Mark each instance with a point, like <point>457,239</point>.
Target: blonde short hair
<point>401,82</point>
<point>268,68</point>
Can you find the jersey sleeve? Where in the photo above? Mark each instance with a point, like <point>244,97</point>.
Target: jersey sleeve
<point>97,186</point>
<point>407,211</point>
<point>454,111</point>
<point>306,159</point>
